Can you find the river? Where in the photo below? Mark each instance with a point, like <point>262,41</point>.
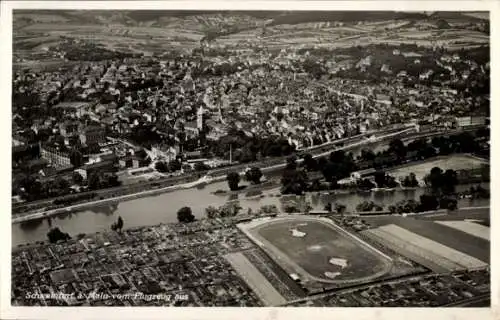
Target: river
<point>163,209</point>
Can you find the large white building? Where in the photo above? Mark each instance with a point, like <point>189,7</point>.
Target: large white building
<point>166,153</point>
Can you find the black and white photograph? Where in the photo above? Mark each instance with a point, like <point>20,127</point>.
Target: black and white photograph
<point>249,158</point>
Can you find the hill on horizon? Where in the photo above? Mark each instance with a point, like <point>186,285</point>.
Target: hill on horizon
<point>140,17</point>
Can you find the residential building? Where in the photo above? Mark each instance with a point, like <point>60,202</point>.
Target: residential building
<point>56,158</point>
<point>103,166</point>
<point>69,128</point>
<point>464,122</point>
<point>92,135</point>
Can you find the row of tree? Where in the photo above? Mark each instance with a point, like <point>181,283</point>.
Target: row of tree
<point>171,166</point>
<point>230,209</point>
<point>428,202</point>
<point>252,175</point>
<point>31,188</point>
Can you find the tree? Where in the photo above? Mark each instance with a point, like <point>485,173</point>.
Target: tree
<point>310,163</point>
<point>331,171</point>
<point>322,162</point>
<point>328,207</point>
<point>380,179</point>
<point>266,209</point>
<point>449,181</point>
<point>397,147</point>
<point>76,158</point>
<point>61,183</point>
<point>337,156</point>
<point>161,166</point>
<point>365,206</point>
<point>56,235</point>
<point>118,225</point>
<point>442,182</point>
<point>390,182</point>
<point>365,184</point>
<point>185,215</point>
<point>200,166</point>
<point>465,142</point>
<point>233,179</point>
<point>253,175</point>
<point>112,180</point>
<point>367,155</point>
<point>340,208</point>
<point>94,181</point>
<point>392,209</point>
<point>294,181</point>
<point>434,179</point>
<point>448,203</point>
<point>291,163</point>
<point>211,212</point>
<point>77,178</point>
<point>428,202</point>
<point>412,179</point>
<point>230,209</point>
<point>174,165</point>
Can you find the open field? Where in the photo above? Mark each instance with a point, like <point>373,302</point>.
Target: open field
<point>410,251</point>
<point>318,250</point>
<point>163,30</point>
<point>455,239</point>
<point>255,280</point>
<point>432,254</point>
<point>472,228</point>
<point>479,213</point>
<point>455,162</point>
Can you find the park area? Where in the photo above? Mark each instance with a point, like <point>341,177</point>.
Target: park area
<point>315,249</point>
<point>455,162</point>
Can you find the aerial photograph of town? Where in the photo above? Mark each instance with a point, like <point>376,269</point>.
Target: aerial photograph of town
<point>250,158</point>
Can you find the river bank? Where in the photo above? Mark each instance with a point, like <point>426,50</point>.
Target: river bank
<point>457,161</point>
<point>127,197</point>
<point>466,212</point>
<point>130,191</point>
<point>162,208</point>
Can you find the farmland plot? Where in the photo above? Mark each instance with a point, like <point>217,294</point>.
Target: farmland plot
<point>411,251</point>
<point>472,228</point>
<point>429,252</point>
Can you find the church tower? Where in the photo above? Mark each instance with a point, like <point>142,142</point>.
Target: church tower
<point>199,118</point>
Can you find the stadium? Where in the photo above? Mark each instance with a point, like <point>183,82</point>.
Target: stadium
<point>314,249</point>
